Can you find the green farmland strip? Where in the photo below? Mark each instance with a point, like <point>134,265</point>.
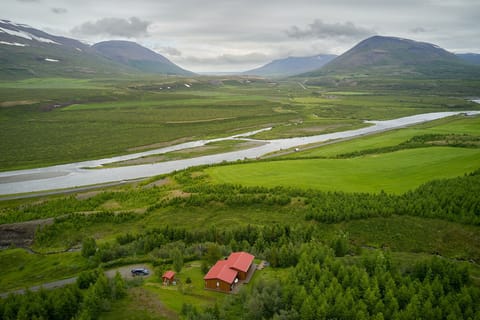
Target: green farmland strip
<point>395,172</point>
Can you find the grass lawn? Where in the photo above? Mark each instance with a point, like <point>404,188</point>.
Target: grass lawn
<point>395,172</point>
<point>174,296</point>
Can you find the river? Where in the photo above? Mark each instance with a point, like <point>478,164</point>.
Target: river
<point>76,175</point>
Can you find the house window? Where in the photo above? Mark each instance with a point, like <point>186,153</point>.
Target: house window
<point>218,284</point>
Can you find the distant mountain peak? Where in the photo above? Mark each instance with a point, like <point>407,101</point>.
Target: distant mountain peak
<point>386,55</point>
<point>291,65</point>
<point>138,57</point>
<point>29,52</point>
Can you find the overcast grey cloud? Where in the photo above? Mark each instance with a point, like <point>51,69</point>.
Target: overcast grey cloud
<point>59,10</point>
<point>128,28</point>
<point>418,30</point>
<point>321,30</point>
<point>170,51</point>
<point>231,58</point>
<point>236,35</point>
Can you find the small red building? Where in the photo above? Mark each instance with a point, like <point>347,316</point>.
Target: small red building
<point>226,273</point>
<point>168,277</point>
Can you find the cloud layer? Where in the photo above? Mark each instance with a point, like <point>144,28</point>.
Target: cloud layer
<point>321,30</point>
<point>116,27</point>
<point>59,10</point>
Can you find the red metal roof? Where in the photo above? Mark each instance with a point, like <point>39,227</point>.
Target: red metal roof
<point>227,270</point>
<point>240,261</point>
<point>169,275</point>
<point>221,270</point>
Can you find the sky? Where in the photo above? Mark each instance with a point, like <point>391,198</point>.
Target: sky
<point>234,35</point>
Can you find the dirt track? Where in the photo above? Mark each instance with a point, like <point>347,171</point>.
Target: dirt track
<point>124,271</point>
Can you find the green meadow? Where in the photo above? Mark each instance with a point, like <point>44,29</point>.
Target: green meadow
<point>395,172</point>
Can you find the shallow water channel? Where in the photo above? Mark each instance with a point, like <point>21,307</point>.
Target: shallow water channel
<point>76,175</point>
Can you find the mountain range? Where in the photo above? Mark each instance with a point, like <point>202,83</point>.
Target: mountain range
<point>291,66</point>
<point>29,52</point>
<point>391,56</point>
<point>470,57</point>
<point>134,55</point>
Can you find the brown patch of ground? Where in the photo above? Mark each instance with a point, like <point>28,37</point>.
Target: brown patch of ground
<point>178,194</point>
<point>17,103</point>
<point>197,174</point>
<point>137,161</point>
<point>321,128</point>
<point>160,144</point>
<point>87,195</point>
<point>159,183</point>
<point>199,121</point>
<point>111,204</point>
<point>20,234</point>
<point>197,149</point>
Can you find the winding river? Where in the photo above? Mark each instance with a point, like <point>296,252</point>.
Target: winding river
<point>75,175</point>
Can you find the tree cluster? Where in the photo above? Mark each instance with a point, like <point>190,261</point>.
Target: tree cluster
<point>92,294</point>
<point>321,287</point>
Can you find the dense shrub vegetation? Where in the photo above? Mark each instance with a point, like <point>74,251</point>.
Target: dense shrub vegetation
<point>92,294</point>
<point>321,287</point>
<point>451,199</point>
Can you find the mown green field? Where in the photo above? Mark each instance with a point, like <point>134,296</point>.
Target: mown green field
<point>395,172</point>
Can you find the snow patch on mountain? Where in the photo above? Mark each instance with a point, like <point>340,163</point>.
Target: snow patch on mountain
<point>15,24</point>
<point>26,35</point>
<point>14,44</point>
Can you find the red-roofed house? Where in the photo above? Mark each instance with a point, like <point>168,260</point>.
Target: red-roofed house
<point>241,262</point>
<point>226,273</point>
<point>168,277</point>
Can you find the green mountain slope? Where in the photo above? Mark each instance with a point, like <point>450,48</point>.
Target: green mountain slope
<point>390,56</point>
<point>470,57</point>
<point>138,57</point>
<point>27,52</point>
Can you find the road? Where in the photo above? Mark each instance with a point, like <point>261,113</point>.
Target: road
<point>124,272</point>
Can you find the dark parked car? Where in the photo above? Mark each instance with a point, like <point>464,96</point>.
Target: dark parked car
<point>140,272</point>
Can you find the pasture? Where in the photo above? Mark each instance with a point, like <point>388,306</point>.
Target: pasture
<point>395,172</point>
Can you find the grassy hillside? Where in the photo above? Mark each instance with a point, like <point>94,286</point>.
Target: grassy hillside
<point>400,58</point>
